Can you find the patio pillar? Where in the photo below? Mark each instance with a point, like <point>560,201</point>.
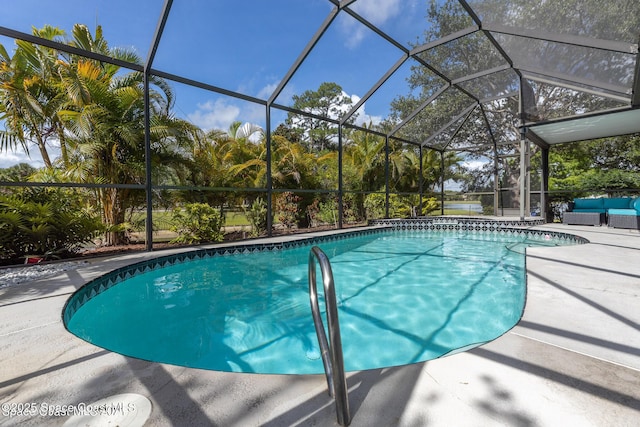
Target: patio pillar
<point>147,166</point>
<point>544,176</point>
<point>166,8</point>
<point>386,175</point>
<point>523,104</point>
<point>420,184</point>
<point>442,183</point>
<point>269,182</point>
<point>340,179</point>
<point>496,182</point>
<point>523,172</point>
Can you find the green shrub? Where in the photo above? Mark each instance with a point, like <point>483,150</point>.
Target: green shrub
<point>430,205</point>
<point>399,207</point>
<point>313,210</point>
<point>257,216</point>
<point>47,222</point>
<point>287,206</point>
<point>350,212</point>
<point>197,223</point>
<point>328,212</point>
<point>374,205</point>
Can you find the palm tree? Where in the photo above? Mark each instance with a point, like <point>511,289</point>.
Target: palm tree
<point>104,114</point>
<point>244,155</point>
<point>30,96</point>
<point>404,165</point>
<point>364,159</point>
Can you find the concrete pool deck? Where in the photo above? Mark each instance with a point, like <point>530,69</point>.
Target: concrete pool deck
<point>573,359</point>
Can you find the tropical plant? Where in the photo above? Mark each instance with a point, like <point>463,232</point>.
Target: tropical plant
<point>288,209</point>
<point>31,95</point>
<point>350,214</point>
<point>429,205</point>
<point>364,159</point>
<point>104,115</point>
<point>48,222</point>
<point>17,173</point>
<point>328,212</point>
<point>399,206</point>
<point>197,223</point>
<point>293,167</point>
<point>257,217</point>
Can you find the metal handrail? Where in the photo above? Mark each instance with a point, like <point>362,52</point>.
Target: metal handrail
<point>332,358</point>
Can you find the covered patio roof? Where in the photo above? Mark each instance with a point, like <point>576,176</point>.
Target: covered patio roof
<point>592,126</point>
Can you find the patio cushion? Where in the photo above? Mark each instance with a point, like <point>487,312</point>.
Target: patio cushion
<point>618,203</point>
<point>634,211</point>
<point>626,212</point>
<point>589,205</point>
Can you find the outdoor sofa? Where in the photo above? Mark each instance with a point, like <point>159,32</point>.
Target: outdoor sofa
<point>628,217</point>
<point>596,211</point>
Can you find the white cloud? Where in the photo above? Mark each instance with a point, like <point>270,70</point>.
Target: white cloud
<point>221,113</point>
<point>474,164</point>
<point>375,11</point>
<point>253,113</point>
<point>266,91</point>
<point>362,118</point>
<point>378,11</point>
<point>451,185</point>
<point>355,34</point>
<point>218,114</point>
<point>12,158</point>
<point>8,159</point>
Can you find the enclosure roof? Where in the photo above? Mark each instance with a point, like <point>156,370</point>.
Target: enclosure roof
<point>589,127</point>
<point>433,72</point>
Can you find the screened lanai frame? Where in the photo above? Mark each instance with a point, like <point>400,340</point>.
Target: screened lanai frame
<point>513,62</point>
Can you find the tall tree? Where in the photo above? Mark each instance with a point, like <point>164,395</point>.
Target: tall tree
<point>104,115</point>
<point>327,101</point>
<point>605,165</point>
<point>232,158</point>
<point>364,158</point>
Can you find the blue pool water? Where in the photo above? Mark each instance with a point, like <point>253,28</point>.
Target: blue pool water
<point>404,297</point>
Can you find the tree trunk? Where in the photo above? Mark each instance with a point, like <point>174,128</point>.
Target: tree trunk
<point>43,152</point>
<point>114,215</point>
<point>63,147</point>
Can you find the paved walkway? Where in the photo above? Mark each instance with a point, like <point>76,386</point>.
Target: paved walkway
<point>574,359</point>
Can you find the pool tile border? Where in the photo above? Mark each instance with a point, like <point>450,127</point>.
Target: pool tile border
<point>506,227</point>
<point>112,278</point>
<point>503,228</point>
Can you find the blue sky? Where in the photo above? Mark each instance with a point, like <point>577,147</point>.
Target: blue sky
<point>246,46</point>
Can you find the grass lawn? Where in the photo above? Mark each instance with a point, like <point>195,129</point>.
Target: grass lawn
<point>234,218</point>
<point>458,212</point>
<point>162,219</point>
<point>448,211</point>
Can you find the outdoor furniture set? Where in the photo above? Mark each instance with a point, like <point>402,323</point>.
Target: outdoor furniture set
<point>616,212</point>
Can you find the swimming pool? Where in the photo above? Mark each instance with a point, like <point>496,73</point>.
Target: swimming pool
<point>404,296</point>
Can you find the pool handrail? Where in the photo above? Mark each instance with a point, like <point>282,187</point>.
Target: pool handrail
<point>333,365</point>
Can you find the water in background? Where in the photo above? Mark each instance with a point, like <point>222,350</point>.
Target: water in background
<point>473,208</point>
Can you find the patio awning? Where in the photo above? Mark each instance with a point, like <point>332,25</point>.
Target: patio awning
<point>590,127</point>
